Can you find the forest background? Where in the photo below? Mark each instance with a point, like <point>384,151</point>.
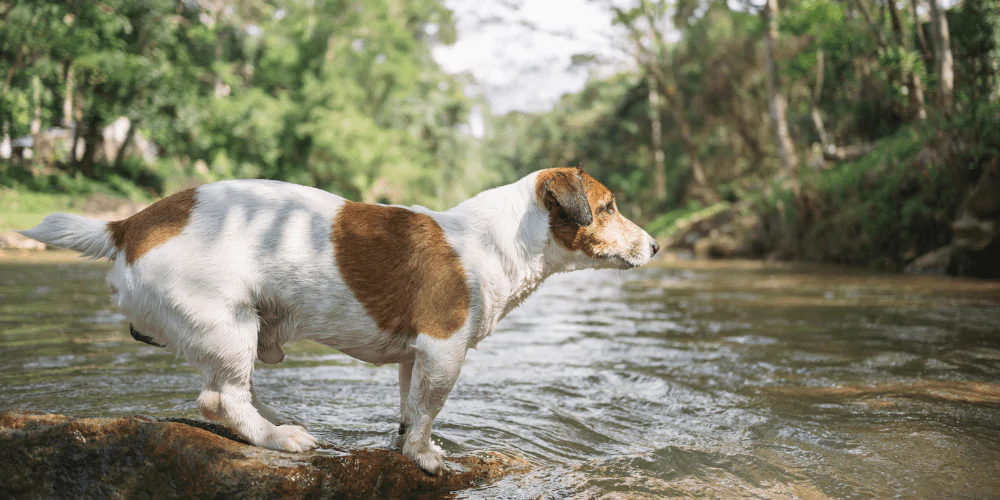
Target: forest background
<point>863,132</point>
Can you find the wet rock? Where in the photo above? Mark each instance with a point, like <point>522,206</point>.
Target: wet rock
<point>44,456</point>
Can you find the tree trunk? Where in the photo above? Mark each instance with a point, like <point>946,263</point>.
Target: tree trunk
<point>876,28</point>
<point>77,129</point>
<point>831,152</point>
<point>91,141</point>
<point>677,111</point>
<point>925,50</point>
<point>778,105</point>
<point>13,67</point>
<point>897,23</point>
<point>913,83</point>
<point>656,141</point>
<point>676,104</point>
<point>76,141</point>
<point>917,95</point>
<point>747,135</point>
<point>817,118</point>
<point>122,151</point>
<point>220,88</point>
<point>67,120</point>
<point>943,60</point>
<point>36,98</point>
<point>5,147</point>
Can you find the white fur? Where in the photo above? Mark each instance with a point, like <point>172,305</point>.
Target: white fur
<point>85,235</point>
<point>254,269</point>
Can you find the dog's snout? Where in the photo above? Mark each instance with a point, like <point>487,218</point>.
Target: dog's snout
<point>656,247</point>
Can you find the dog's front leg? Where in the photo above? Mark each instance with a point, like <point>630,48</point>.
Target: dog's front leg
<point>435,370</point>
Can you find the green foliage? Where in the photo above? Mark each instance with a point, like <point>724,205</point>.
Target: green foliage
<point>880,210</point>
<point>338,95</point>
<point>346,96</point>
<point>976,43</point>
<point>665,225</point>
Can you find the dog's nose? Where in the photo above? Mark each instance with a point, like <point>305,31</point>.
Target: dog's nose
<point>656,247</point>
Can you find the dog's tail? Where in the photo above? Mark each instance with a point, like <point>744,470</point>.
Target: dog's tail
<point>87,236</point>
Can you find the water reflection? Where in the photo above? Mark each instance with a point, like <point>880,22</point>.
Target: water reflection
<point>731,380</point>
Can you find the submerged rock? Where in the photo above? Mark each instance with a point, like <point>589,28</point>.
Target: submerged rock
<point>47,456</point>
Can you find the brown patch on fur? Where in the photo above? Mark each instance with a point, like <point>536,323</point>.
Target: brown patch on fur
<point>154,226</point>
<point>592,239</point>
<point>401,268</point>
<point>563,188</point>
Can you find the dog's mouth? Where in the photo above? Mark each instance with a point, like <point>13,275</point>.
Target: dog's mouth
<point>621,262</point>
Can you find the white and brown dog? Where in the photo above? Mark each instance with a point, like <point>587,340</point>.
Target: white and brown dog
<point>228,272</point>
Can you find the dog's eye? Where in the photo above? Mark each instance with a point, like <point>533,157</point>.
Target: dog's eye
<point>610,207</point>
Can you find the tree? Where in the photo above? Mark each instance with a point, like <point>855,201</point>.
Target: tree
<point>650,51</point>
<point>943,59</point>
<point>778,104</point>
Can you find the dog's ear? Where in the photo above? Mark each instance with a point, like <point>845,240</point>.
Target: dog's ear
<point>566,191</point>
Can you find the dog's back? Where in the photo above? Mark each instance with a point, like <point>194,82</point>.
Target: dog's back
<point>247,257</point>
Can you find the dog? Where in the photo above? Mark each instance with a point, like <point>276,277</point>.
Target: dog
<point>228,272</point>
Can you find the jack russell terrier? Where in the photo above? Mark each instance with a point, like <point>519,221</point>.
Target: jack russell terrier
<point>226,273</point>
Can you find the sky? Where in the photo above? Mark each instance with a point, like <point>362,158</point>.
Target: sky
<point>520,51</point>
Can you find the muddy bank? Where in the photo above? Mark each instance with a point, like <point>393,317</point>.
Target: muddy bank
<point>44,455</point>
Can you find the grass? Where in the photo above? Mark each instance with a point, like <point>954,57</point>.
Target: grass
<point>26,198</point>
<point>25,209</point>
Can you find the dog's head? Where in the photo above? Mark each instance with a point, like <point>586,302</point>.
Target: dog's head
<point>584,220</point>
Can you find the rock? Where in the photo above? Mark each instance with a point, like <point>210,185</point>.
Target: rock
<point>977,229</point>
<point>45,456</point>
<point>936,262</point>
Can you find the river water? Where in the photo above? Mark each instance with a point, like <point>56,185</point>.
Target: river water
<point>715,380</point>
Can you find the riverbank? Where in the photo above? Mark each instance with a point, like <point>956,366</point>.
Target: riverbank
<point>922,203</point>
<point>44,455</point>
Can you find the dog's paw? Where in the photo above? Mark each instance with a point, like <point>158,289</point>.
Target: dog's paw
<point>430,458</point>
<point>291,438</point>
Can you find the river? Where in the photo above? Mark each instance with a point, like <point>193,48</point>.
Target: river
<point>714,380</point>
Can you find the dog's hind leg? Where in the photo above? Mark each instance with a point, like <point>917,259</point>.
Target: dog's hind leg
<point>226,359</point>
<point>405,373</point>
